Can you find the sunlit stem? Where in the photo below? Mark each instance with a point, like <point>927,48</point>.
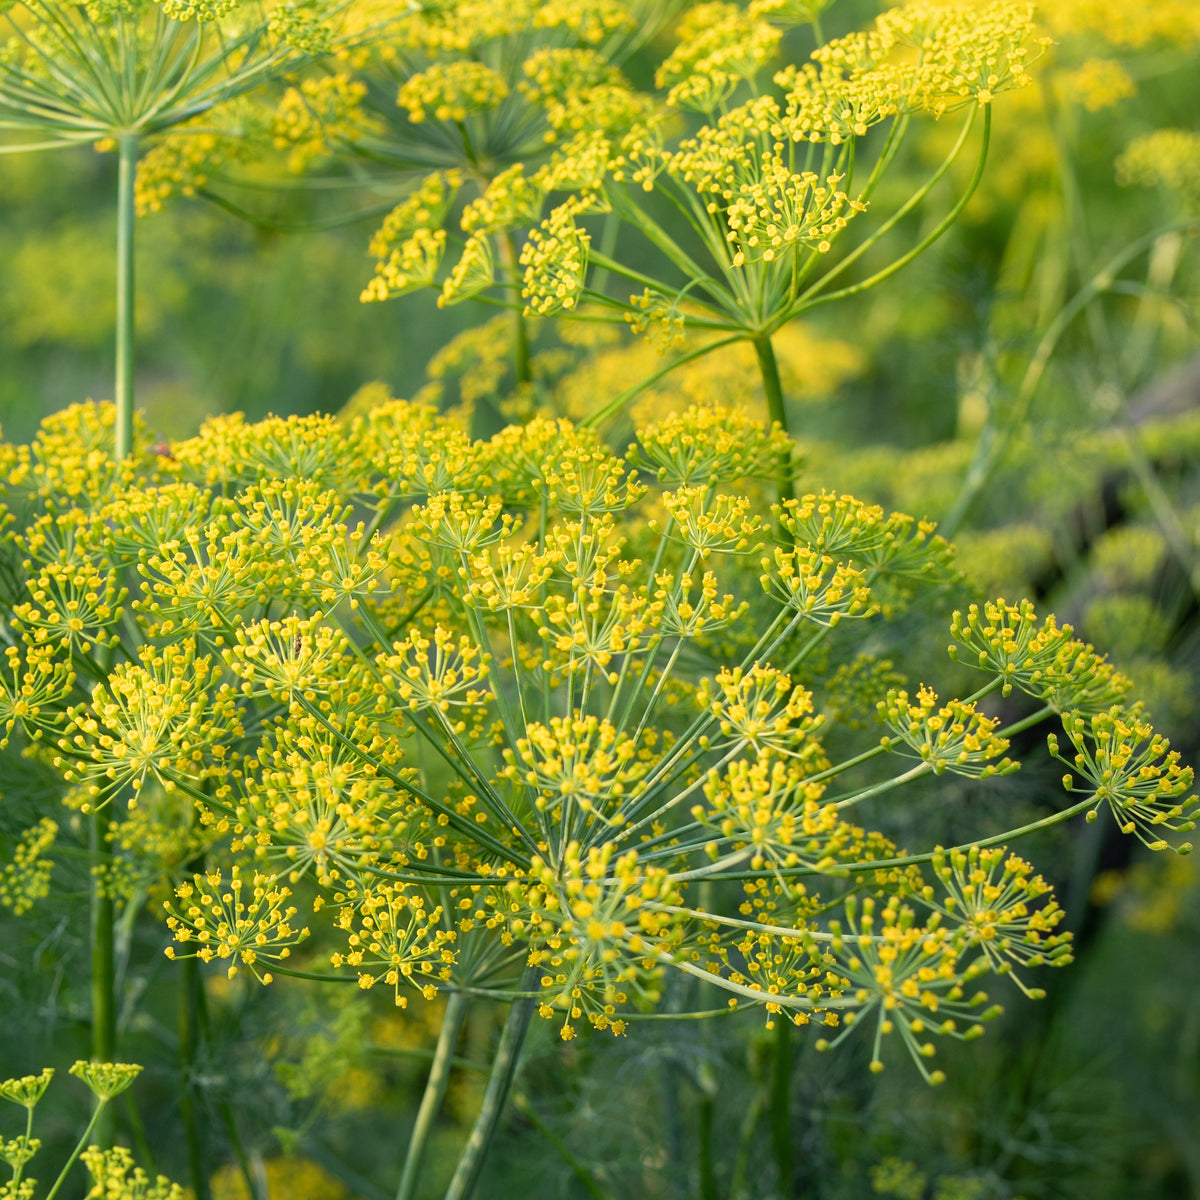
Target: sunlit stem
<point>435,1091</point>
<point>504,1067</point>
<point>123,391</point>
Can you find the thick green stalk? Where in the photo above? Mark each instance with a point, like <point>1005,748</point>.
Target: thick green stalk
<point>776,410</point>
<point>100,929</point>
<point>504,1067</point>
<point>519,331</point>
<point>781,1103</point>
<point>190,984</point>
<point>123,392</point>
<point>435,1090</point>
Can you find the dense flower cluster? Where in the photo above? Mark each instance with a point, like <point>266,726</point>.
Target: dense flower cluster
<point>518,714</point>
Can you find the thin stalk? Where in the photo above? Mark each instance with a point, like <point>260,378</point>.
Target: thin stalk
<point>101,1107</point>
<point>994,440</point>
<point>435,1091</point>
<point>123,392</point>
<point>617,403</point>
<point>776,410</point>
<point>938,230</point>
<point>103,981</point>
<point>504,1067</point>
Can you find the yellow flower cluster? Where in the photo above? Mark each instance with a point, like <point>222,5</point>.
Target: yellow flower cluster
<point>450,91</point>
<point>314,119</point>
<point>954,737</point>
<point>1168,158</point>
<point>183,162</point>
<point>1100,83</point>
<point>766,812</point>
<point>32,685</point>
<point>106,1079</point>
<point>114,1177</point>
<point>907,975</point>
<point>579,765</point>
<point>1133,770</point>
<point>816,587</point>
<point>408,245</point>
<point>720,45</point>
<point>555,261</point>
<point>26,879</point>
<point>512,719</point>
<point>705,445</point>
<point>1042,660</point>
<point>1133,25</point>
<point>155,719</point>
<point>228,919</point>
<point>597,918</point>
<point>993,893</point>
<point>395,939</point>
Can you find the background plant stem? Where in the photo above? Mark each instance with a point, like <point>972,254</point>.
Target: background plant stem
<point>189,1041</point>
<point>518,328</point>
<point>435,1090</point>
<point>504,1067</point>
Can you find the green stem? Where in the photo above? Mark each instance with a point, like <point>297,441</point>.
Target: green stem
<point>519,330</point>
<point>776,410</point>
<point>504,1067</point>
<point>101,1107</point>
<point>103,981</point>
<point>781,1102</point>
<point>618,402</point>
<point>435,1091</point>
<point>737,1186</point>
<point>189,1039</point>
<point>123,394</point>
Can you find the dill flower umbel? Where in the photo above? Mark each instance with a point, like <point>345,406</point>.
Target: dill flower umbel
<point>489,713</point>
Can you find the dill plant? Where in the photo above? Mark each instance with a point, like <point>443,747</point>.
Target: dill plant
<point>397,708</point>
